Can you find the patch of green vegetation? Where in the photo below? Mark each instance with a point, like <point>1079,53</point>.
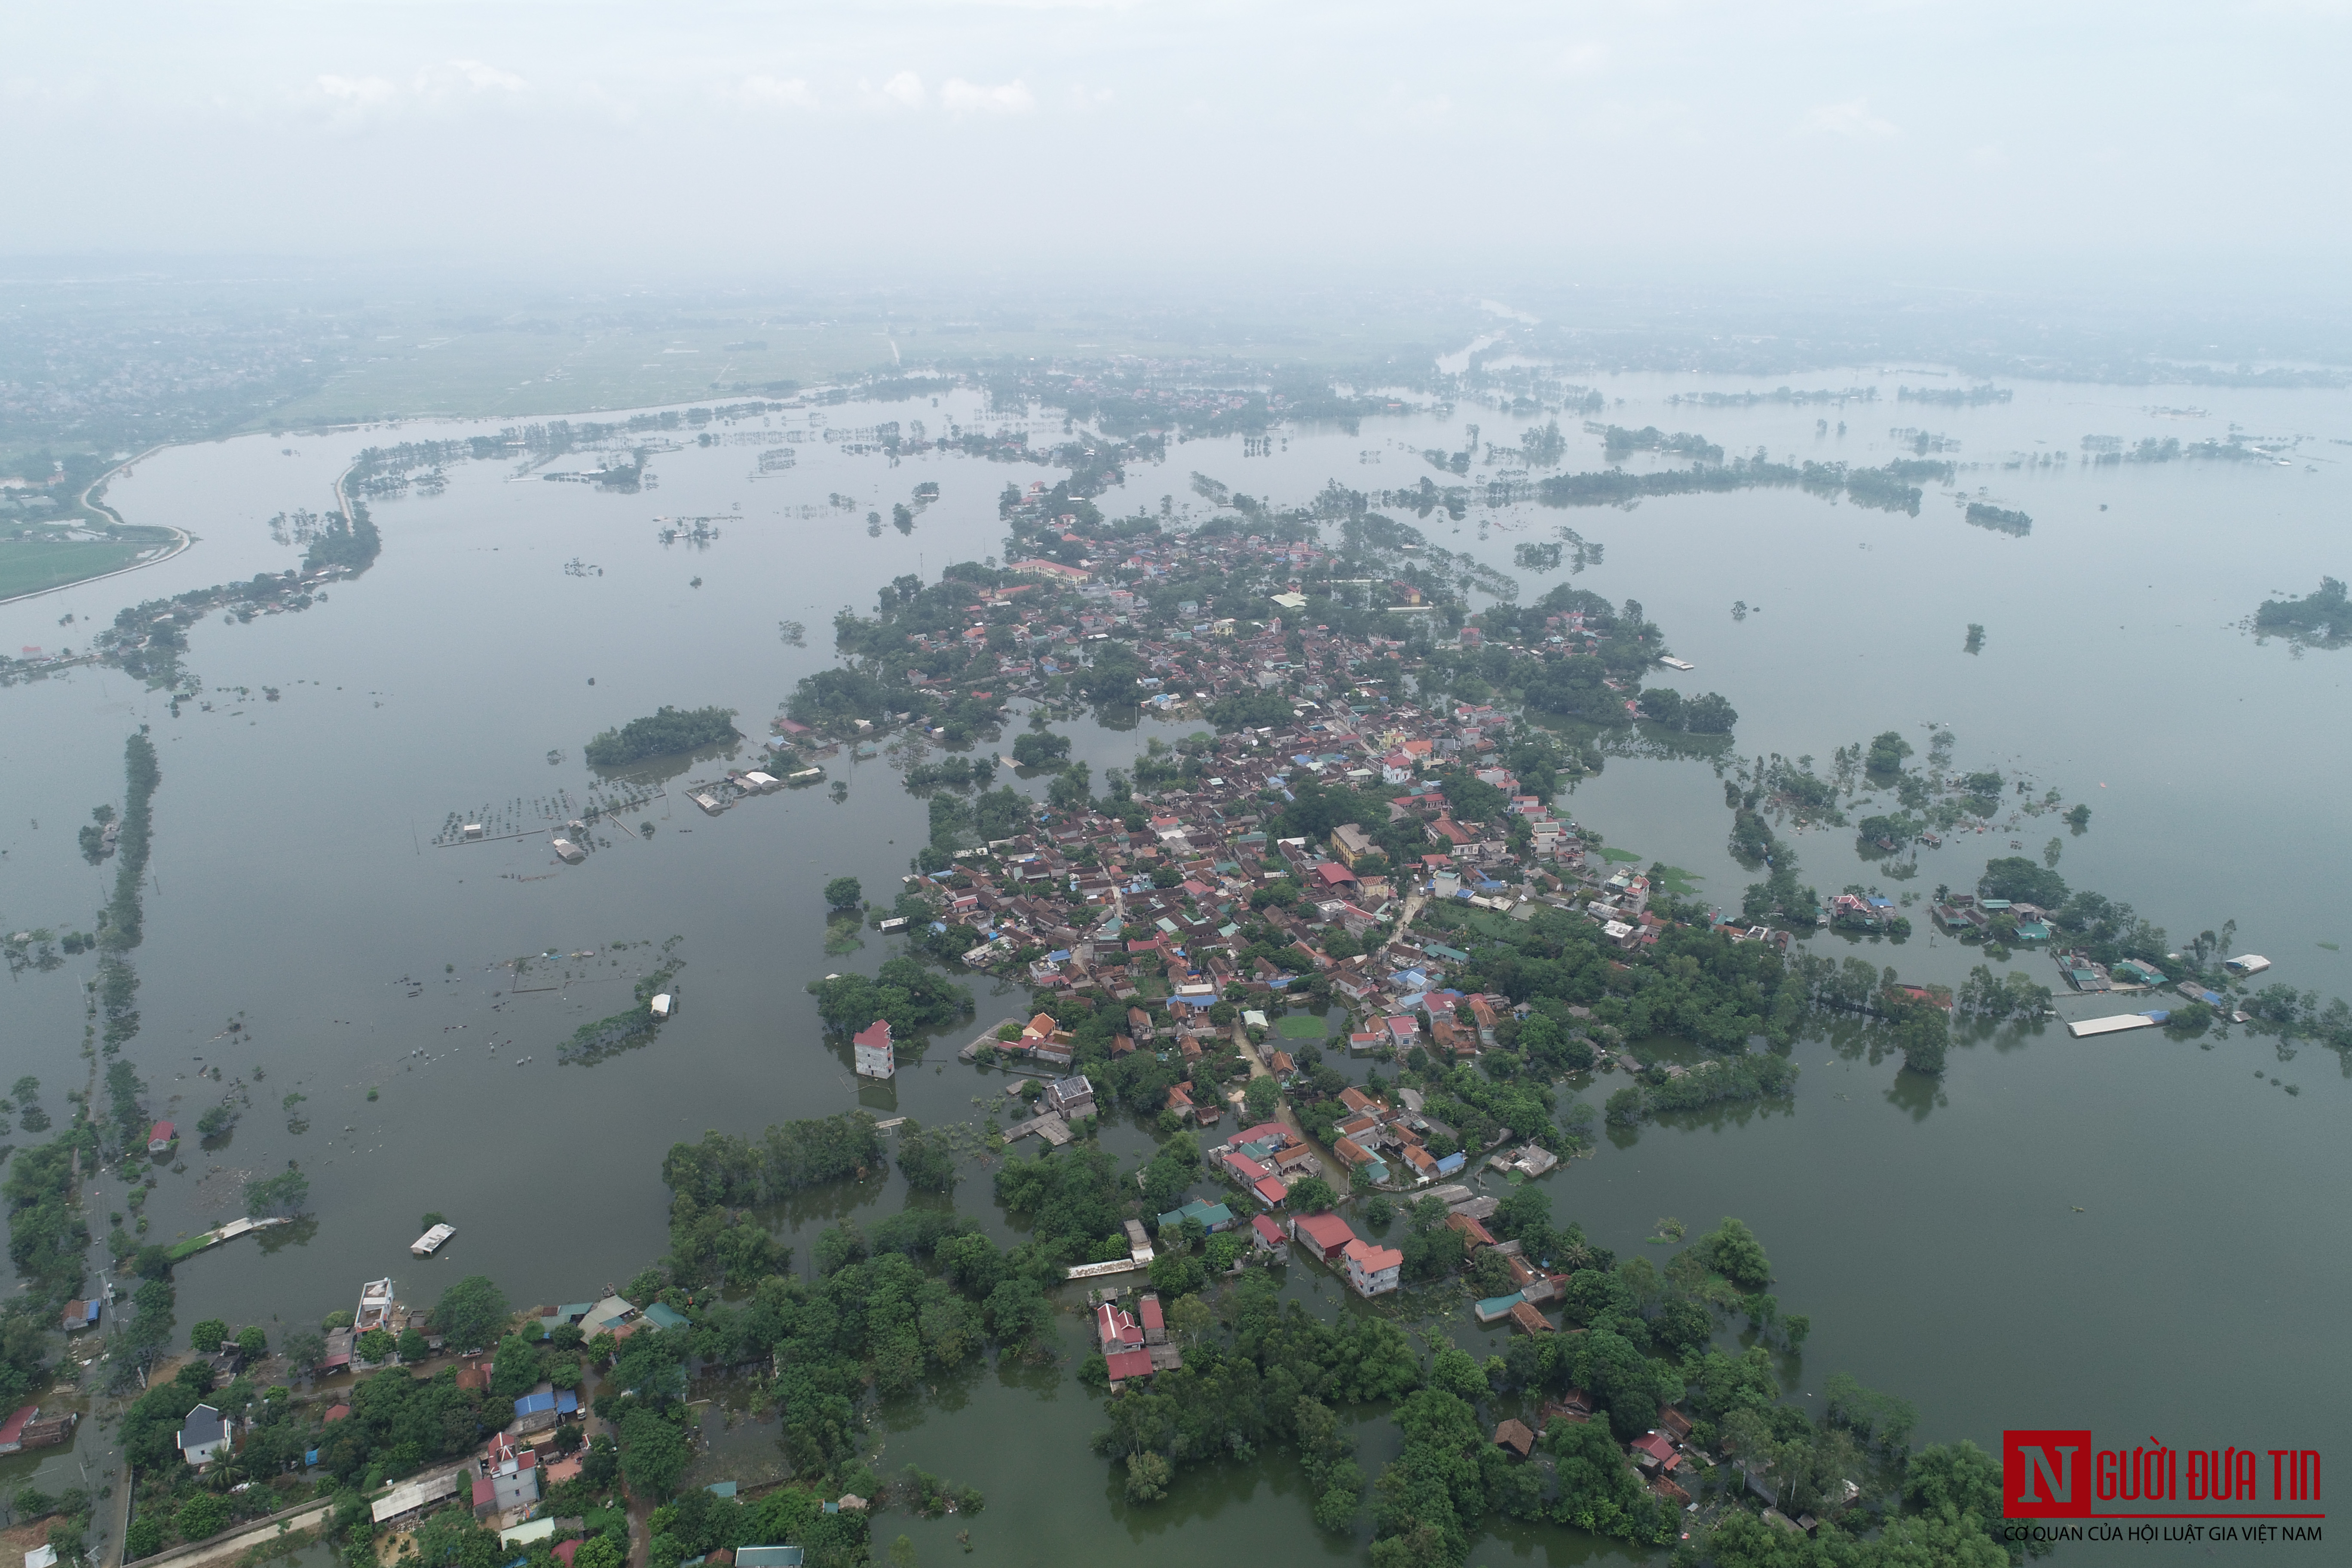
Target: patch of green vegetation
<point>1299,1028</point>
<point>621,1031</point>
<point>32,565</point>
<point>1616,857</point>
<point>1682,884</point>
<point>663,732</point>
<point>841,934</point>
<point>2324,616</point>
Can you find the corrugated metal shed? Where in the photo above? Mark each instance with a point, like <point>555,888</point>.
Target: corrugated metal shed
<point>2113,1024</point>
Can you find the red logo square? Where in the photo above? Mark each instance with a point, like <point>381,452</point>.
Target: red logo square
<point>2045,1474</point>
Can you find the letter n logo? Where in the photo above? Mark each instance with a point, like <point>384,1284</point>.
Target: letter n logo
<point>2045,1475</point>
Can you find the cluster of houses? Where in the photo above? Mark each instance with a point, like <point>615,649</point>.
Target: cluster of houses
<point>1075,905</point>
<point>1370,1269</point>
<point>2016,920</point>
<point>1660,1455</point>
<point>1373,1269</point>
<point>1134,1344</point>
<point>1087,901</point>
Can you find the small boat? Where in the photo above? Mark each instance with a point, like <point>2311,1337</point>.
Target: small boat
<point>428,1244</point>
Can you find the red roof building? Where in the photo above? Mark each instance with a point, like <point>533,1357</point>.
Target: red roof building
<point>1116,1331</point>
<point>1325,1235</point>
<point>872,1050</point>
<point>1373,1269</point>
<point>161,1137</point>
<point>1248,1170</point>
<point>1477,1234</point>
<point>12,1430</point>
<point>1659,1450</point>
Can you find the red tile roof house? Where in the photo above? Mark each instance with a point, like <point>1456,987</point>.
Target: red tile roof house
<point>1125,1364</point>
<point>1654,1451</point>
<point>1269,1235</point>
<point>1116,1331</point>
<point>873,1052</point>
<point>1244,1169</point>
<point>1478,1235</point>
<point>161,1137</point>
<point>1155,1326</point>
<point>1372,1270</point>
<point>12,1430</point>
<point>1325,1235</point>
<point>1529,1320</point>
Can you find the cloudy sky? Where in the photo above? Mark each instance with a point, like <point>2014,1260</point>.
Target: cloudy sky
<point>969,138</point>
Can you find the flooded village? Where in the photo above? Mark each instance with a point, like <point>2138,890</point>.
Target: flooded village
<point>1237,949</point>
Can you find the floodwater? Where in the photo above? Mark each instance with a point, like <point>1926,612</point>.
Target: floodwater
<point>2134,1235</point>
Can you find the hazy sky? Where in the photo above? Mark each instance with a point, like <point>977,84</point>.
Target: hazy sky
<point>956,137</point>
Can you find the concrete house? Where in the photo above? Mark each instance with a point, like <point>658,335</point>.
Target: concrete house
<point>1325,1236</point>
<point>876,1057</point>
<point>203,1434</point>
<point>1073,1096</point>
<point>1372,1270</point>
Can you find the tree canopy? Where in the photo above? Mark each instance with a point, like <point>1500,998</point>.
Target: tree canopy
<point>663,733</point>
<point>471,1313</point>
